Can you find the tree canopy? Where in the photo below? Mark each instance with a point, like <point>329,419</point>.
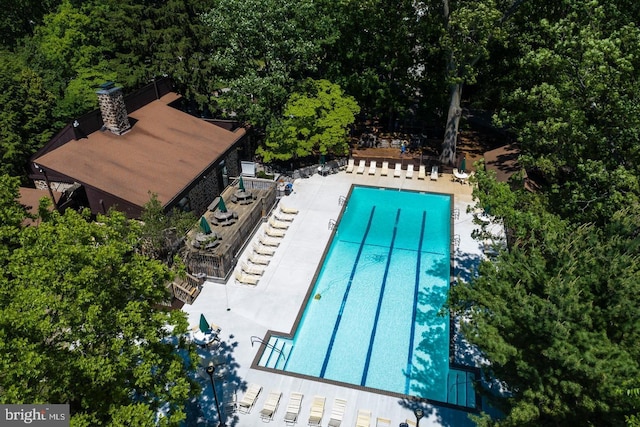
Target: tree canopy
<point>315,120</point>
<point>80,323</point>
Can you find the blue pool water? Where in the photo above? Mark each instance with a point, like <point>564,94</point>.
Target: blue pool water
<point>372,317</point>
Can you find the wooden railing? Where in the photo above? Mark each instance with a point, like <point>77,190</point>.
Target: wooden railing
<point>186,289</point>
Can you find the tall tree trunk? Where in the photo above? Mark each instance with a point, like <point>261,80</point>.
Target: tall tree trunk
<point>448,154</point>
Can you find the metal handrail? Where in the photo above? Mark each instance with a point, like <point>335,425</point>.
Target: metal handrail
<point>261,341</point>
<point>341,200</point>
<point>332,224</point>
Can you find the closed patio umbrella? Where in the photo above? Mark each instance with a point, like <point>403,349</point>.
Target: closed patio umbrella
<point>221,206</point>
<point>463,164</point>
<point>204,225</point>
<point>204,325</point>
<point>241,184</point>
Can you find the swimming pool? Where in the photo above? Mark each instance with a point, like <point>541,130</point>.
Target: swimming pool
<point>371,319</point>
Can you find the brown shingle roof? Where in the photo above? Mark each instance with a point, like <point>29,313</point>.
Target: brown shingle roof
<point>164,151</point>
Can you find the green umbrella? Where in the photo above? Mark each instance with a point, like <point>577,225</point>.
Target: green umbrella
<point>241,184</point>
<point>221,206</point>
<point>463,164</point>
<point>204,225</point>
<point>204,325</point>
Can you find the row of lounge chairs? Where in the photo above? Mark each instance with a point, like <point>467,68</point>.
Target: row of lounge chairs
<point>316,412</point>
<point>249,273</point>
<point>397,172</point>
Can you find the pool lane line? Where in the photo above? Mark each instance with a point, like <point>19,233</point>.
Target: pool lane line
<point>415,307</point>
<point>346,295</point>
<point>363,381</point>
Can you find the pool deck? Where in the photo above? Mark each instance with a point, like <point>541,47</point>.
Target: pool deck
<point>243,311</point>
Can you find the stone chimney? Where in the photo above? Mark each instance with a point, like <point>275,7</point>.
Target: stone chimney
<point>114,112</point>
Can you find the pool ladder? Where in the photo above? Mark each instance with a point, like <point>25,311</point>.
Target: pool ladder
<point>255,339</point>
<point>456,213</point>
<point>341,200</point>
<point>332,224</point>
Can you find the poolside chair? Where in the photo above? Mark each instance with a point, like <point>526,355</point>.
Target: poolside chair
<point>293,408</point>
<point>249,398</point>
<point>317,411</point>
<point>274,232</point>
<point>259,259</point>
<point>422,173</point>
<point>364,418</point>
<point>372,167</point>
<point>350,166</point>
<point>337,412</point>
<point>360,167</point>
<point>263,250</point>
<point>287,210</point>
<point>434,173</point>
<point>270,406</point>
<point>385,169</point>
<point>383,422</point>
<point>252,269</point>
<point>278,224</point>
<point>231,404</point>
<point>269,241</point>
<point>284,217</point>
<point>397,170</point>
<point>246,279</point>
<point>409,174</point>
<point>461,177</point>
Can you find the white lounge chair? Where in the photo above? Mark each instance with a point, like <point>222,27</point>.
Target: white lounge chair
<point>280,216</point>
<point>337,412</point>
<point>409,173</point>
<point>269,241</point>
<point>293,408</point>
<point>350,166</point>
<point>434,173</point>
<point>397,170</point>
<point>273,232</point>
<point>270,406</point>
<point>385,169</point>
<point>364,418</point>
<point>278,224</point>
<point>317,411</point>
<point>372,167</point>
<point>383,422</point>
<point>263,250</point>
<point>360,167</point>
<point>410,423</point>
<point>259,259</point>
<point>288,210</point>
<point>247,279</point>
<point>422,173</point>
<point>252,269</point>
<point>249,398</point>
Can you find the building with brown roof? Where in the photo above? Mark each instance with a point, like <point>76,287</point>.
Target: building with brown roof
<point>139,145</point>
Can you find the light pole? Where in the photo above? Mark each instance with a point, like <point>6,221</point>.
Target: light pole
<point>211,369</point>
<point>419,413</point>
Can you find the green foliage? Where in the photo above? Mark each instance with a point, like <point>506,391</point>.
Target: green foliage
<point>78,324</point>
<point>315,121</point>
<point>161,232</point>
<point>555,314</point>
<point>260,50</point>
<point>574,110</point>
<point>25,116</point>
<point>11,216</point>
